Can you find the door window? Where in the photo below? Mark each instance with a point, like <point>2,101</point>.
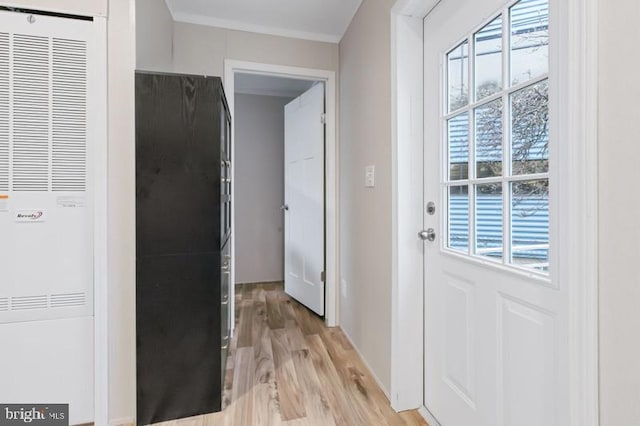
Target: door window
<point>496,138</point>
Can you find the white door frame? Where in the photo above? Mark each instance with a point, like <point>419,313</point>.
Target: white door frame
<point>101,234</point>
<point>231,67</point>
<point>577,238</point>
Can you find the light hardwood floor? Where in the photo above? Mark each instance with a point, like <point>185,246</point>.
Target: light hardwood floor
<point>285,367</point>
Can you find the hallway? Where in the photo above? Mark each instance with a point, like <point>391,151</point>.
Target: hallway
<point>285,367</point>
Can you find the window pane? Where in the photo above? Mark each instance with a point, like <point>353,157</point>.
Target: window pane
<point>458,76</point>
<point>489,220</point>
<point>530,224</point>
<point>488,59</point>
<point>489,139</point>
<point>458,128</point>
<point>459,218</point>
<point>529,40</point>
<point>530,129</point>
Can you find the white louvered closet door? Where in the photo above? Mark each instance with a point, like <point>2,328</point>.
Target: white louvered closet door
<point>47,134</point>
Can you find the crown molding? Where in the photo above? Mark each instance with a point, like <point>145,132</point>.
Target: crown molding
<point>260,29</point>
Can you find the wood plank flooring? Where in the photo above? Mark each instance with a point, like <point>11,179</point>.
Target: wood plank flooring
<point>285,367</point>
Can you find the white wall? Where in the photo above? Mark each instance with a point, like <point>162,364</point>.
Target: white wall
<point>199,49</point>
<point>365,213</point>
<point>154,36</point>
<point>619,151</point>
<point>259,173</point>
<point>121,211</point>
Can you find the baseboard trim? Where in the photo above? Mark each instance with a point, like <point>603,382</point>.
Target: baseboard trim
<point>422,410</point>
<point>261,282</point>
<point>366,364</point>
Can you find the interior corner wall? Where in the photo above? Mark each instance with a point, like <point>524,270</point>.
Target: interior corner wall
<point>259,181</point>
<point>199,49</point>
<point>365,213</point>
<point>121,212</point>
<point>154,36</point>
<point>619,204</point>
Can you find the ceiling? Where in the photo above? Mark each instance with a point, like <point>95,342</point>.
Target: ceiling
<point>254,84</point>
<point>321,20</point>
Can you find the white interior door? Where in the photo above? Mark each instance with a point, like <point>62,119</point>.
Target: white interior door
<point>495,319</point>
<point>304,198</point>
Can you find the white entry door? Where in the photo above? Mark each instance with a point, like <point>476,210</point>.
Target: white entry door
<point>304,198</point>
<point>495,317</point>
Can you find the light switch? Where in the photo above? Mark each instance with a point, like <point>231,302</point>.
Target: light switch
<point>370,176</point>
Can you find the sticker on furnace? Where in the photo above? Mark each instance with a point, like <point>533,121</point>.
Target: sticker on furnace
<point>30,216</point>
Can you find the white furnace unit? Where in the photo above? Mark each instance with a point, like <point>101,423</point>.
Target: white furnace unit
<point>47,129</point>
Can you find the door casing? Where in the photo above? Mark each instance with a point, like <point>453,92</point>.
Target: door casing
<point>231,67</point>
<point>577,39</point>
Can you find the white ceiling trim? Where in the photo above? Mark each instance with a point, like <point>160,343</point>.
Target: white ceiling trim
<point>243,26</point>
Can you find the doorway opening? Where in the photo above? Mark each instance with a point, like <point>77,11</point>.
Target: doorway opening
<point>268,181</point>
